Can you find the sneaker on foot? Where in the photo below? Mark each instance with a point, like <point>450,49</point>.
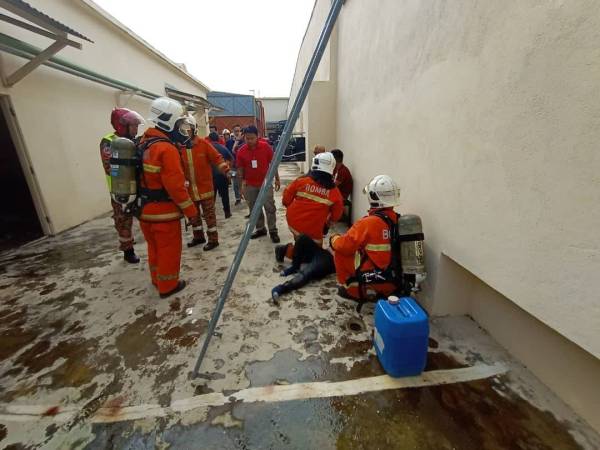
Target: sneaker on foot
<point>258,233</point>
<point>275,237</point>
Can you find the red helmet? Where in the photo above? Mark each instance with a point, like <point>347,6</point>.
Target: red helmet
<point>121,118</point>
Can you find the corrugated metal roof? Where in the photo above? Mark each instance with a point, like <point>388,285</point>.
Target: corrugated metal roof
<point>232,104</point>
<point>28,9</point>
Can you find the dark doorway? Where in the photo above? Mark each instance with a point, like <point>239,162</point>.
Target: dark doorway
<point>19,222</point>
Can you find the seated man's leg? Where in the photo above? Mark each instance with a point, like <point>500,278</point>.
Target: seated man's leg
<point>318,266</point>
<point>303,251</point>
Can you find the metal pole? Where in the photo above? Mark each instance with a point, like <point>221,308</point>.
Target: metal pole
<point>283,142</point>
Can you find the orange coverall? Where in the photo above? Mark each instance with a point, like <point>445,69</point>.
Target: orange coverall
<point>197,165</point>
<point>160,221</point>
<point>367,242</point>
<point>310,206</point>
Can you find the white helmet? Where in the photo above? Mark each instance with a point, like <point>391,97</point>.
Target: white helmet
<point>383,192</point>
<point>325,162</point>
<point>191,120</point>
<point>165,112</point>
<point>226,131</point>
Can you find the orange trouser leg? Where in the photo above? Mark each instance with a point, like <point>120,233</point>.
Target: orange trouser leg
<point>152,256</point>
<point>168,251</point>
<point>344,269</point>
<point>210,217</point>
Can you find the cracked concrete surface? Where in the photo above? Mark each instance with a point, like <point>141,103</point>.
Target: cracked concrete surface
<point>81,329</point>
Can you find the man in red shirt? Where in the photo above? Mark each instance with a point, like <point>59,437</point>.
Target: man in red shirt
<point>343,180</point>
<point>253,160</point>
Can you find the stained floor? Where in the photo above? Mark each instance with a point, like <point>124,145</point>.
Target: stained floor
<point>80,328</point>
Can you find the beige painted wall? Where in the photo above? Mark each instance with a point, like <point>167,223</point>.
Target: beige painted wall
<point>563,366</point>
<point>63,118</point>
<point>488,115</point>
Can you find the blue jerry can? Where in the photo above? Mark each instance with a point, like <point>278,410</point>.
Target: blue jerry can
<point>401,336</point>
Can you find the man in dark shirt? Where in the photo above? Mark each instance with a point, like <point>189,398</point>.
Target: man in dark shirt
<point>234,144</point>
<point>343,180</point>
<point>221,182</point>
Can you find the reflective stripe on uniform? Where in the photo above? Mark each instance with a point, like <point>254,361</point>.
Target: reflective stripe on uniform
<point>378,247</point>
<point>109,182</point>
<point>206,195</point>
<point>128,239</point>
<point>314,198</point>
<point>185,204</point>
<point>168,277</point>
<point>160,217</point>
<point>211,229</point>
<point>152,169</point>
<point>192,172</point>
<point>197,228</point>
<point>357,260</point>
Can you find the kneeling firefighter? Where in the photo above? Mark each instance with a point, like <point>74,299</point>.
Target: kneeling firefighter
<point>312,202</point>
<point>125,123</point>
<point>163,193</point>
<point>381,253</point>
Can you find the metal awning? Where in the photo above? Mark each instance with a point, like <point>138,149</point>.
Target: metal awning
<point>190,101</point>
<point>46,26</point>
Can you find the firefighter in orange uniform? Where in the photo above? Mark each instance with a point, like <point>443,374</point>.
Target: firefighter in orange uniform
<point>363,256</point>
<point>163,190</point>
<point>198,156</point>
<point>313,202</point>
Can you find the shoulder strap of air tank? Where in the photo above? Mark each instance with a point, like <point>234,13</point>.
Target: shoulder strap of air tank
<point>153,140</point>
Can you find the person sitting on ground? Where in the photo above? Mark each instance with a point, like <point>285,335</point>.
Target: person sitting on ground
<point>312,202</point>
<point>343,180</point>
<point>364,257</point>
<point>221,181</point>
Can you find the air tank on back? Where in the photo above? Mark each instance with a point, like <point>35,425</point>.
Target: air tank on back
<point>412,250</point>
<point>123,163</point>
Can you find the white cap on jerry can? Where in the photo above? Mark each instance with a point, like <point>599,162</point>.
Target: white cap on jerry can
<point>393,300</point>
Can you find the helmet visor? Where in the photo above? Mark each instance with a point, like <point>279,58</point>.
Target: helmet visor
<point>132,118</point>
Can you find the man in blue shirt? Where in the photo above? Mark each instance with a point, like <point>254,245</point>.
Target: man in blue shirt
<point>221,182</point>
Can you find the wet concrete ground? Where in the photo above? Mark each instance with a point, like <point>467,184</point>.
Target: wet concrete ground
<point>81,329</point>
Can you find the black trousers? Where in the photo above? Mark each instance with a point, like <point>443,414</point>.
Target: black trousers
<point>221,186</point>
<point>311,262</point>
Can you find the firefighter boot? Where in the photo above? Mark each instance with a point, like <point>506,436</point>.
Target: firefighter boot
<point>130,256</point>
<point>197,241</point>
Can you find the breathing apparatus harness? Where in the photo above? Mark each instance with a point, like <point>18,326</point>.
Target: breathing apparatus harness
<point>390,274</point>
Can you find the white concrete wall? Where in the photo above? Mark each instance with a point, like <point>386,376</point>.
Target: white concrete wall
<point>63,118</point>
<point>488,115</point>
<point>275,108</point>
